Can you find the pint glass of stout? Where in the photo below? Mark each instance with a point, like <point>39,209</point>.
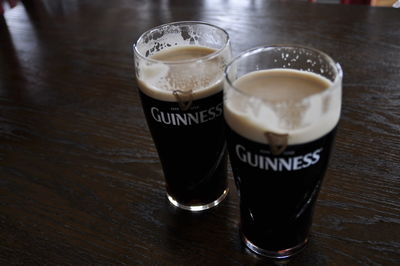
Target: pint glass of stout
<point>281,106</point>
<point>180,70</point>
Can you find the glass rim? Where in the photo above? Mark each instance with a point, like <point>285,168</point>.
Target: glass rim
<point>185,61</point>
<point>258,49</point>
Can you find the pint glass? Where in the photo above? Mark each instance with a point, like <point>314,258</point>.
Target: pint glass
<point>180,70</point>
<point>281,106</point>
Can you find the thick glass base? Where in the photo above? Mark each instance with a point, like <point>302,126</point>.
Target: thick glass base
<point>197,208</point>
<point>279,254</point>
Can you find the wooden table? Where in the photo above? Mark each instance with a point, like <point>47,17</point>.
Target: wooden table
<point>80,180</point>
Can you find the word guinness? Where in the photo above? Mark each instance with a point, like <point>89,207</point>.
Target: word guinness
<point>186,119</point>
<point>277,163</point>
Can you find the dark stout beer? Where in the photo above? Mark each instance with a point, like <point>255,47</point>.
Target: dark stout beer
<point>188,132</point>
<point>191,147</point>
<point>278,191</point>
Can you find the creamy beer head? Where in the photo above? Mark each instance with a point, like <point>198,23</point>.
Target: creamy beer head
<point>182,61</point>
<point>302,105</point>
<point>191,72</point>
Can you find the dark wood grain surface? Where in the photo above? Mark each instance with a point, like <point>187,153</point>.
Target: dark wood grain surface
<point>80,180</point>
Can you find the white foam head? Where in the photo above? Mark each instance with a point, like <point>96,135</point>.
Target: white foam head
<point>289,91</point>
<point>201,74</point>
<point>304,119</point>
